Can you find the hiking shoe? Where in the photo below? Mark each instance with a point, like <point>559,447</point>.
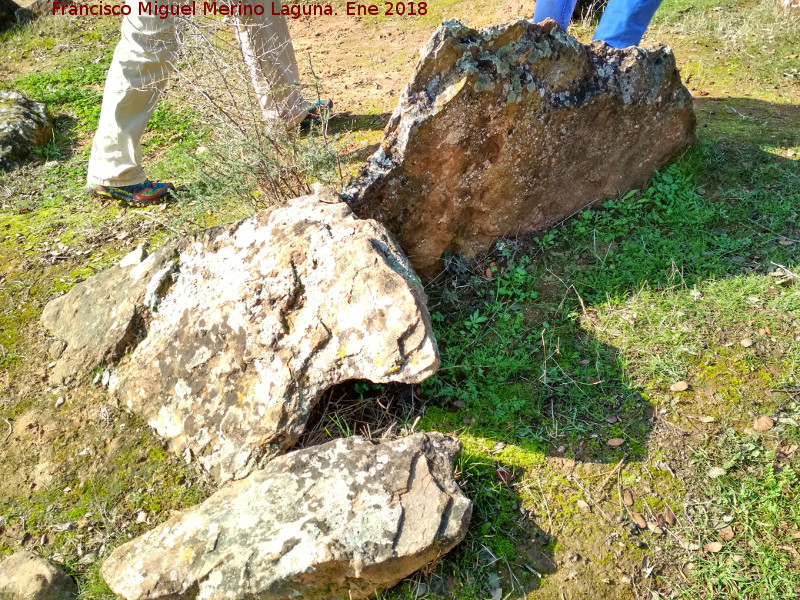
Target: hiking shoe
<point>141,194</point>
<point>320,109</point>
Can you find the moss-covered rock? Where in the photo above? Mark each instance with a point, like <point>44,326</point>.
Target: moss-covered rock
<point>24,124</point>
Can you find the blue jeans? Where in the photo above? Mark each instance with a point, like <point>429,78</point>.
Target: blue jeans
<point>623,22</point>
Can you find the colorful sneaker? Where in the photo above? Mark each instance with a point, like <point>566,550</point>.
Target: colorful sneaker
<point>320,109</point>
<point>141,194</point>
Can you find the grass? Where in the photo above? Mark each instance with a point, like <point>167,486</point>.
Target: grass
<point>755,511</point>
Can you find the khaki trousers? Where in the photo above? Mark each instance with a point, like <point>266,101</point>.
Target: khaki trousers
<point>144,59</point>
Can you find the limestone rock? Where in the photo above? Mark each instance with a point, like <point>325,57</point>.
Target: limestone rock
<point>341,520</point>
<point>238,331</point>
<point>103,317</point>
<point>26,576</point>
<point>513,128</point>
<point>24,124</point>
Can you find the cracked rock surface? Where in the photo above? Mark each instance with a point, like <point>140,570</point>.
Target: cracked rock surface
<point>230,337</point>
<point>342,520</point>
<point>513,128</point>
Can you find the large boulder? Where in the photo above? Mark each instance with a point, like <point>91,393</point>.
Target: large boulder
<point>342,520</point>
<point>513,128</point>
<point>26,576</point>
<point>24,125</point>
<point>232,335</point>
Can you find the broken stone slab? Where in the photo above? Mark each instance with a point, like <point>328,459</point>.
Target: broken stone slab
<point>513,128</point>
<point>232,336</point>
<point>24,125</point>
<point>27,576</point>
<point>104,316</point>
<point>345,519</point>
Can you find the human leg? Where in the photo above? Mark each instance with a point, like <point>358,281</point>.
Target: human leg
<point>269,55</point>
<point>624,22</point>
<point>141,64</point>
<point>558,10</point>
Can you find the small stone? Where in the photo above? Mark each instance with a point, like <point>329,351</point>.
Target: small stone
<point>135,257</point>
<point>60,401</point>
<point>141,517</point>
<point>56,349</point>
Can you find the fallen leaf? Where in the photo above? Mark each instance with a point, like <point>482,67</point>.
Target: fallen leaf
<point>763,423</point>
<point>726,534</point>
<point>612,419</point>
<point>715,472</point>
<point>737,558</point>
<point>660,520</point>
<point>679,386</point>
<point>584,506</point>
<point>639,520</point>
<point>585,361</point>
<point>488,273</point>
<point>505,475</point>
<point>669,517</point>
<point>713,547</point>
<point>786,242</point>
<point>706,419</point>
<point>796,535</point>
<point>627,498</point>
<point>746,342</point>
<point>614,442</point>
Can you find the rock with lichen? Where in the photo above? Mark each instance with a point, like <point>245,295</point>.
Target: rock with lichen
<point>225,341</point>
<point>513,128</point>
<point>24,125</point>
<point>343,520</point>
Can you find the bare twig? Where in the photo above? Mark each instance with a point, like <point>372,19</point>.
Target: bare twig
<point>10,429</point>
<point>611,474</point>
<point>589,497</point>
<point>786,270</point>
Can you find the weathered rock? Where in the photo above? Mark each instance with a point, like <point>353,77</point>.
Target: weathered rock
<point>26,576</point>
<point>43,8</point>
<point>239,330</point>
<point>341,520</point>
<point>24,124</point>
<point>103,317</point>
<point>515,127</point>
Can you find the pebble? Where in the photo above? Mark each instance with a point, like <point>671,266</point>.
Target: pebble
<point>60,401</point>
